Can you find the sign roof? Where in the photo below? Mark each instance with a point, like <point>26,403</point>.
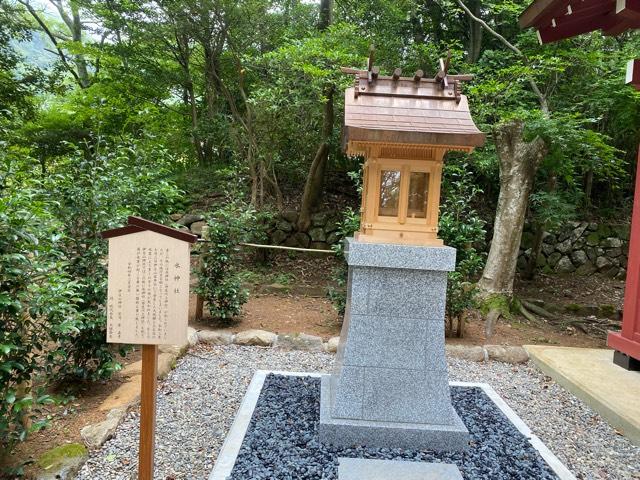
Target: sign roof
<point>137,224</point>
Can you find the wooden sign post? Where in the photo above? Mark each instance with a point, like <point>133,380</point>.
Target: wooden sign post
<point>148,305</point>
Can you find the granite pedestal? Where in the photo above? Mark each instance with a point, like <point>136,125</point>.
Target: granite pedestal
<point>390,385</point>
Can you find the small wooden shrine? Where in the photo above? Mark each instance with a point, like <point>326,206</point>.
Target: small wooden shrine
<point>403,126</point>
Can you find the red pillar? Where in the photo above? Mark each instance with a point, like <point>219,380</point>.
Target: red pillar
<point>627,342</point>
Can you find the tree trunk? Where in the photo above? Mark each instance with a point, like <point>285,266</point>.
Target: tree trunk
<point>532,264</point>
<point>76,31</point>
<point>211,89</point>
<point>588,187</point>
<point>312,196</point>
<point>326,13</point>
<point>313,187</point>
<point>519,161</point>
<point>475,35</point>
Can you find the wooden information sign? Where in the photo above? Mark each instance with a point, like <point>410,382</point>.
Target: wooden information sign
<point>148,305</point>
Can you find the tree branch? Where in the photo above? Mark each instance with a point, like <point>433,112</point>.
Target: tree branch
<point>63,15</point>
<point>53,39</point>
<point>544,106</point>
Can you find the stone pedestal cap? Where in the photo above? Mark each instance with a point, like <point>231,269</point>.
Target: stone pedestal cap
<point>387,255</point>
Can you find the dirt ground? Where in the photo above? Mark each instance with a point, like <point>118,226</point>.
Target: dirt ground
<point>316,316</point>
<point>289,296</point>
<point>281,314</point>
<point>572,289</point>
<point>79,410</point>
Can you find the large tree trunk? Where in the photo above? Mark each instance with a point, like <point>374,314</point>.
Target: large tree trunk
<point>519,161</point>
<point>312,196</point>
<point>475,34</point>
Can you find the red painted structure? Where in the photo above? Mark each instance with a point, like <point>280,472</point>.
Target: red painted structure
<point>628,340</point>
<point>561,19</point>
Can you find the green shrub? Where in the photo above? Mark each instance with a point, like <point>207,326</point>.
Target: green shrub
<point>37,299</point>
<point>90,193</point>
<point>462,228</point>
<point>349,224</point>
<point>219,276</point>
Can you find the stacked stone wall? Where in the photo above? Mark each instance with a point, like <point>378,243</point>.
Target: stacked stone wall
<point>581,248</point>
<point>322,233</point>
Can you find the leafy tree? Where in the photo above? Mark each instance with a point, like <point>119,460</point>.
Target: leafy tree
<point>219,280</point>
<point>461,227</point>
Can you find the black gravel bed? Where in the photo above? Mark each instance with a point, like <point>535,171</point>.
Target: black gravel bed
<point>282,439</point>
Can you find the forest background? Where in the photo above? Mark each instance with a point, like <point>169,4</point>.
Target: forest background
<point>118,107</point>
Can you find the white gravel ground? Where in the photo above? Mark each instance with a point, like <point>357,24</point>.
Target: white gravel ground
<point>197,403</point>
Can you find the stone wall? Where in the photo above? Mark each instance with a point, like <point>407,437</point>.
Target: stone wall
<point>322,233</point>
<point>581,248</point>
<point>189,222</point>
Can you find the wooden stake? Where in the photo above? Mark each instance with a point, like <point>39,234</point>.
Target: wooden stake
<point>148,411</point>
<point>199,307</point>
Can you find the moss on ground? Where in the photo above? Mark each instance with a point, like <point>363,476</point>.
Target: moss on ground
<point>608,310</point>
<point>573,307</point>
<point>58,455</point>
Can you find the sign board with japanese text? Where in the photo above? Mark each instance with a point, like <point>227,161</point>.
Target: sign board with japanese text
<point>148,305</point>
<point>148,290</point>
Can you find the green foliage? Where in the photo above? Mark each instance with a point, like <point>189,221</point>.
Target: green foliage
<point>89,193</point>
<point>53,268</point>
<point>461,227</point>
<point>288,101</point>
<point>37,301</point>
<point>349,224</point>
<point>219,277</point>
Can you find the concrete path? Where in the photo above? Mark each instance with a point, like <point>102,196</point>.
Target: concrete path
<point>591,375</point>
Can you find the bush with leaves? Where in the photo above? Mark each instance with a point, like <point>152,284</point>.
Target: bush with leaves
<point>462,228</point>
<point>37,300</point>
<point>219,280</point>
<point>349,224</point>
<point>92,190</point>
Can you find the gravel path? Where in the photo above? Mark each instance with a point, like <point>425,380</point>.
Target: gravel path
<point>197,403</point>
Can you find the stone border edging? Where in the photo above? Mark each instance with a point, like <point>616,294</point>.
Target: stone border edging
<point>312,343</point>
<point>230,449</point>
